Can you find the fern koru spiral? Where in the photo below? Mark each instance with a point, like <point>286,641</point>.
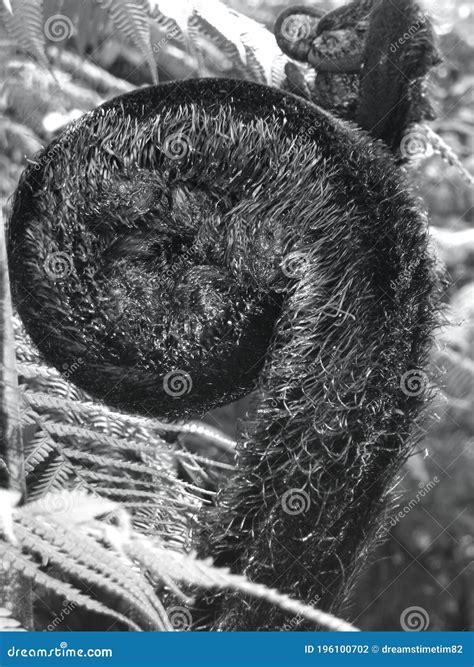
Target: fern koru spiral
<point>247,239</point>
<point>370,60</point>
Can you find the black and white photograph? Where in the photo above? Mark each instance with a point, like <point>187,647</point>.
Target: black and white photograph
<point>237,326</point>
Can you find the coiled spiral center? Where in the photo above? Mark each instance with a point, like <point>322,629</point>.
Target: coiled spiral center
<point>173,209</point>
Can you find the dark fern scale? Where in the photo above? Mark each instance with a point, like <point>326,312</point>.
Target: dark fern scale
<point>186,263</point>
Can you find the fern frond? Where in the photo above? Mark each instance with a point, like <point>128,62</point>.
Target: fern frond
<point>38,451</point>
<point>127,494</point>
<point>202,573</point>
<point>54,477</point>
<point>210,463</point>
<point>159,499</point>
<point>277,72</point>
<point>48,530</point>
<point>446,152</point>
<point>157,483</point>
<point>96,413</point>
<point>265,61</point>
<point>59,548</point>
<point>170,16</point>
<point>158,467</point>
<point>213,23</point>
<point>23,564</point>
<point>25,26</point>
<point>248,45</point>
<point>115,442</point>
<point>125,425</point>
<point>7,623</point>
<point>116,561</point>
<point>106,462</point>
<point>131,19</point>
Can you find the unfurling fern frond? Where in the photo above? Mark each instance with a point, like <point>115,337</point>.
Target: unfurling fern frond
<point>360,432</point>
<point>211,294</point>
